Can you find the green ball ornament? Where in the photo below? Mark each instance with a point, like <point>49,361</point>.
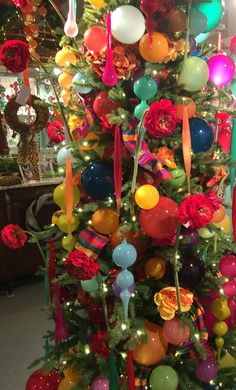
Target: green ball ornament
<point>140,109</point>
<point>178,178</point>
<point>206,233</point>
<point>213,11</point>
<point>145,88</point>
<point>194,75</point>
<point>163,378</point>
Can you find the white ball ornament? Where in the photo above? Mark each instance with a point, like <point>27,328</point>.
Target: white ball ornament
<point>127,24</point>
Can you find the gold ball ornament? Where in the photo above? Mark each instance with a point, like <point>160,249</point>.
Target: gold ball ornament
<point>220,308</point>
<point>65,57</point>
<point>158,51</point>
<point>56,215</point>
<point>105,221</point>
<point>147,196</point>
<point>65,80</point>
<point>97,3</point>
<point>63,224</point>
<point>224,225</point>
<point>65,94</point>
<point>220,328</point>
<point>155,268</point>
<point>59,195</point>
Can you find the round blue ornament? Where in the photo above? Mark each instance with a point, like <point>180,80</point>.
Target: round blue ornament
<point>125,279</point>
<point>80,83</point>
<point>90,285</point>
<point>145,88</point>
<point>124,254</point>
<point>140,109</point>
<point>201,135</point>
<point>98,180</point>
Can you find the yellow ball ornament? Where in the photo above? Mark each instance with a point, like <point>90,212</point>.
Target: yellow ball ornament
<point>97,3</point>
<point>65,80</point>
<point>220,308</point>
<point>227,361</point>
<point>224,225</point>
<point>68,242</point>
<point>146,196</point>
<point>59,195</point>
<point>56,215</point>
<point>105,221</point>
<point>63,224</point>
<point>220,328</point>
<point>65,57</point>
<point>65,94</point>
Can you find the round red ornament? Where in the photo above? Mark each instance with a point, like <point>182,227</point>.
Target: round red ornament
<point>39,380</point>
<point>103,105</point>
<point>14,55</point>
<point>95,39</point>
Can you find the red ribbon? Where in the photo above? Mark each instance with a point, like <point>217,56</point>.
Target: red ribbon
<point>130,371</point>
<point>118,167</point>
<point>234,213</point>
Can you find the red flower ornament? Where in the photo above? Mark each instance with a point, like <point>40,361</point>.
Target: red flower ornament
<point>196,211</point>
<point>14,55</point>
<point>80,266</point>
<point>13,236</point>
<point>55,132</point>
<point>160,120</point>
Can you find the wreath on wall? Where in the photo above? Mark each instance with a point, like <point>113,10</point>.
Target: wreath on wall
<point>28,153</point>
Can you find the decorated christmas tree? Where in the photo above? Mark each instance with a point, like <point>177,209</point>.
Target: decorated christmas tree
<point>142,288</point>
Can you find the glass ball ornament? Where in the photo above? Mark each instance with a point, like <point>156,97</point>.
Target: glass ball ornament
<point>163,377</point>
<point>206,370</point>
<point>97,180</point>
<point>39,380</point>
<point>230,288</point>
<point>221,69</point>
<point>124,254</point>
<point>202,37</point>
<point>80,83</point>
<point>145,88</point>
<point>155,52</point>
<point>176,20</point>
<point>103,105</point>
<point>146,196</point>
<point>213,10</point>
<point>206,233</point>
<point>185,102</point>
<point>201,135</point>
<point>140,109</point>
<point>59,196</point>
<point>155,268</point>
<point>194,75</point>
<point>178,178</point>
<point>198,22</point>
<point>95,39</point>
<point>176,331</point>
<point>125,279</point>
<point>127,24</point>
<point>105,220</point>
<point>100,383</point>
<point>227,265</point>
<point>65,80</point>
<point>117,290</point>
<point>192,271</point>
<point>189,237</point>
<point>65,57</point>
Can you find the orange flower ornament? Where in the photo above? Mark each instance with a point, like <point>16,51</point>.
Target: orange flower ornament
<point>166,301</point>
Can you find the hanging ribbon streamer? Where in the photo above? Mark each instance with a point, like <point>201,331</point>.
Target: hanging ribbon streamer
<point>51,269</point>
<point>233,155</point>
<point>118,167</point>
<point>113,374</point>
<point>26,77</point>
<point>234,213</point>
<point>186,144</point>
<point>71,28</point>
<point>69,193</point>
<point>145,159</point>
<point>109,76</point>
<point>91,242</point>
<point>61,330</point>
<point>130,371</point>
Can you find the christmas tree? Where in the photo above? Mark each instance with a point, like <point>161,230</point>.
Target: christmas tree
<point>142,288</point>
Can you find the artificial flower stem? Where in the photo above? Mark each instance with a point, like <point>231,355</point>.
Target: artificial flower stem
<point>188,31</point>
<point>176,276</point>
<point>56,95</point>
<point>104,305</point>
<point>39,247</point>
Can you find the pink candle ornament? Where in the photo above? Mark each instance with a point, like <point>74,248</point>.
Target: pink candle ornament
<point>71,28</point>
<point>61,330</point>
<point>109,76</point>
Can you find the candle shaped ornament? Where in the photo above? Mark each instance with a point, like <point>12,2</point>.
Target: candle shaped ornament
<point>109,76</point>
<point>71,28</point>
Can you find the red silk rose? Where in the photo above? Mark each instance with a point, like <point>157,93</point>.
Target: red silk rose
<point>196,210</point>
<point>15,55</point>
<point>98,344</point>
<point>160,120</point>
<point>13,236</point>
<point>79,265</point>
<point>216,201</point>
<point>55,132</point>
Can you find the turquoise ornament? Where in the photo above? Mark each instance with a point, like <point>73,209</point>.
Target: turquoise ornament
<point>140,109</point>
<point>145,88</point>
<point>125,279</point>
<point>90,285</point>
<point>80,83</point>
<point>213,10</point>
<point>201,37</point>
<point>124,254</point>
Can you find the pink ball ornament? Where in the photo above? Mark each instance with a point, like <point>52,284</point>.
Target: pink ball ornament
<point>227,265</point>
<point>221,69</point>
<point>100,384</point>
<point>230,288</point>
<point>206,370</point>
<point>176,331</point>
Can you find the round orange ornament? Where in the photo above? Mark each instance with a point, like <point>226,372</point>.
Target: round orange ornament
<point>224,224</point>
<point>153,351</point>
<point>105,221</point>
<point>65,57</point>
<point>186,102</point>
<point>219,214</point>
<point>65,94</point>
<point>155,268</point>
<point>65,80</point>
<point>156,52</point>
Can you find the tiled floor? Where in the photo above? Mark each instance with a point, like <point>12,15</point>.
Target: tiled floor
<point>22,326</point>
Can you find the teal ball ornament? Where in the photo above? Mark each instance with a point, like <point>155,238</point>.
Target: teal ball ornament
<point>145,88</point>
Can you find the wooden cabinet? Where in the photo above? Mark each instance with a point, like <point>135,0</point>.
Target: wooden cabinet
<point>14,202</point>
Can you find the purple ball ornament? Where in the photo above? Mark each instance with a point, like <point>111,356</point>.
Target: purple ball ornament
<point>117,289</point>
<point>192,271</point>
<point>100,384</point>
<point>206,370</point>
<point>189,237</point>
<point>221,69</point>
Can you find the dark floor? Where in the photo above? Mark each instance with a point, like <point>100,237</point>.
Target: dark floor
<point>22,326</point>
